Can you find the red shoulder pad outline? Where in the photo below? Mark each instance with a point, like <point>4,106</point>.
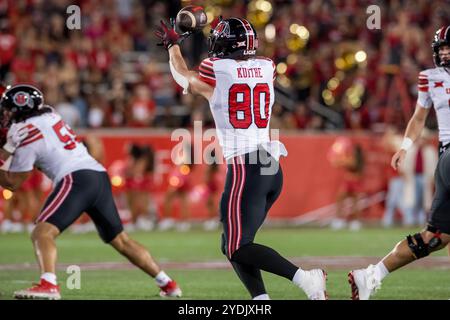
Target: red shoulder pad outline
<point>34,134</point>
<point>206,71</point>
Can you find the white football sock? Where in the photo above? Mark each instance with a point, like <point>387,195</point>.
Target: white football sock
<point>49,277</point>
<point>298,277</point>
<point>380,271</point>
<point>162,279</point>
<point>264,296</point>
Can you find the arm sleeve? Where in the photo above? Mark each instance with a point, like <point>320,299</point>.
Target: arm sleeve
<point>206,72</point>
<point>423,96</point>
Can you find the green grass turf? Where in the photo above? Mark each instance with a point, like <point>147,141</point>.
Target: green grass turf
<point>219,284</point>
<point>203,246</point>
<point>223,284</point>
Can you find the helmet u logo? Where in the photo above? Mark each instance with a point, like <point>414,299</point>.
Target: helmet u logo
<point>21,99</point>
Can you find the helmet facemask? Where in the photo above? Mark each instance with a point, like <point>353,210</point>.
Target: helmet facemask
<point>438,59</point>
<point>217,38</point>
<point>441,38</point>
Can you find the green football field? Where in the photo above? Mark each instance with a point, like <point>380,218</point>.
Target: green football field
<point>194,259</point>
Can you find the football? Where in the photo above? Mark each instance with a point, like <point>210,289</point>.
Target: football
<point>191,19</point>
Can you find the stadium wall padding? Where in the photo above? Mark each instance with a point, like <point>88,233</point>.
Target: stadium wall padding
<point>311,182</point>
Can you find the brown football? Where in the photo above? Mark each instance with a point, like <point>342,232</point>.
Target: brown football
<point>191,19</point>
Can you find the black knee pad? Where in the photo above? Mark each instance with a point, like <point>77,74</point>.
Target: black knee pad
<point>420,249</point>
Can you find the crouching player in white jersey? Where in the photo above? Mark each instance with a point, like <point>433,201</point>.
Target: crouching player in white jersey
<point>433,89</point>
<point>239,88</point>
<point>81,185</point>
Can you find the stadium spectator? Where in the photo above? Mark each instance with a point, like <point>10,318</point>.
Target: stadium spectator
<point>213,180</point>
<point>348,157</point>
<point>180,185</point>
<point>139,184</point>
<point>418,169</point>
<point>8,43</point>
<point>302,116</point>
<point>391,141</point>
<point>142,108</point>
<point>115,38</point>
<point>179,188</point>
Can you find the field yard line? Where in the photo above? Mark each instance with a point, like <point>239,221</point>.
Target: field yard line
<point>327,262</point>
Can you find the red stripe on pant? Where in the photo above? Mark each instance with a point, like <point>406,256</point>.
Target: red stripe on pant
<point>238,206</point>
<point>58,200</point>
<point>231,209</point>
<point>234,213</point>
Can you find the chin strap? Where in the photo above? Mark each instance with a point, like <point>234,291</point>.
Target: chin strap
<point>447,69</point>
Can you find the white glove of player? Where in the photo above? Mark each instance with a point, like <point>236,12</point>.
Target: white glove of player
<point>16,134</point>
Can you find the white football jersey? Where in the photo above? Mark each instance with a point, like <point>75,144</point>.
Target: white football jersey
<point>434,89</point>
<point>242,103</point>
<point>52,147</point>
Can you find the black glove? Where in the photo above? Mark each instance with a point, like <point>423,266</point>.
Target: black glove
<point>169,36</point>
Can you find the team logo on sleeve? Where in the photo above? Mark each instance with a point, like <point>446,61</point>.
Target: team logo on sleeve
<point>438,84</point>
<point>22,99</point>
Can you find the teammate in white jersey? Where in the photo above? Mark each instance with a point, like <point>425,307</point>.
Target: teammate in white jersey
<point>239,88</point>
<point>433,89</point>
<point>81,185</point>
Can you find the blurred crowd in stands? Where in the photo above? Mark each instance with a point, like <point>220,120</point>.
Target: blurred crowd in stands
<point>333,72</point>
